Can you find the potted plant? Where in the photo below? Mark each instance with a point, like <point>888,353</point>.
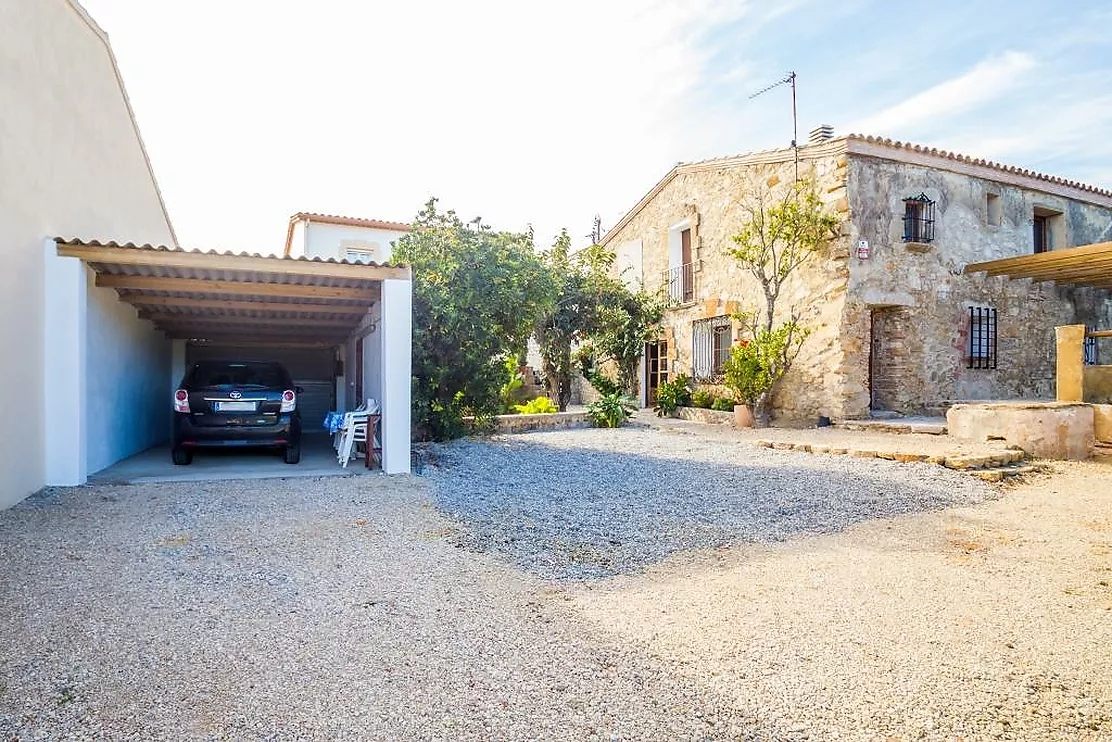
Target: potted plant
<point>747,376</point>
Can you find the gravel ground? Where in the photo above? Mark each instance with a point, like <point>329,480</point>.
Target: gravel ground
<point>303,609</point>
<point>992,622</point>
<point>343,609</point>
<point>595,503</point>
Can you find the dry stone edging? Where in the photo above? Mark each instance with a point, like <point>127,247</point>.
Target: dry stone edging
<point>994,467</point>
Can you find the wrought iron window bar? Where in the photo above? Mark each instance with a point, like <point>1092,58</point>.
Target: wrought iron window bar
<point>982,337</point>
<point>918,219</point>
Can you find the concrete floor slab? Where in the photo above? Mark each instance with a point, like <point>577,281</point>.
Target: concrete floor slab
<point>154,465</point>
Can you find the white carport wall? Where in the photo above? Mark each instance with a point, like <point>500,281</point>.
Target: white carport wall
<point>218,298</point>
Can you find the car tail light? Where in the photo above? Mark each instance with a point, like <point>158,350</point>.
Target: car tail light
<point>289,401</point>
<point>181,401</point>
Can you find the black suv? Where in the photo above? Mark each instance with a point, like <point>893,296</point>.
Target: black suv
<point>236,403</point>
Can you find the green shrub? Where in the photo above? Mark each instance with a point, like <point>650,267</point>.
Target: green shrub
<point>702,399</point>
<point>610,411</point>
<point>538,406</point>
<point>722,404</point>
<point>671,395</point>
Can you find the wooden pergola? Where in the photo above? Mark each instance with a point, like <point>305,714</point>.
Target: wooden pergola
<point>1088,265</point>
<point>240,298</point>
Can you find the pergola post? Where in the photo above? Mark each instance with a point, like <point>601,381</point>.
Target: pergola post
<point>396,327</point>
<point>1071,363</point>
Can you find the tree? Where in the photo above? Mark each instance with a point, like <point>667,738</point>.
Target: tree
<point>627,323</point>
<point>477,295</point>
<point>583,289</point>
<point>778,236</point>
<point>625,320</point>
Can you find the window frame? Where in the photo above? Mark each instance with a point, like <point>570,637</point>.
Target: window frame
<point>919,219</point>
<point>366,253</point>
<point>705,364</point>
<point>984,334</point>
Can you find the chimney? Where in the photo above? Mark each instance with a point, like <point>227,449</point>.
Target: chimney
<point>821,134</point>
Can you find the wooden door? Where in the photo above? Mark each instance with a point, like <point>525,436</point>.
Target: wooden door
<point>656,369</point>
<point>687,275</point>
<point>889,358</point>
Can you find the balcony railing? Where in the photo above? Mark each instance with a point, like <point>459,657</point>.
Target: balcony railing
<point>680,283</point>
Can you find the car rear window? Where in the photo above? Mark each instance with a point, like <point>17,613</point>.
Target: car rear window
<point>247,373</point>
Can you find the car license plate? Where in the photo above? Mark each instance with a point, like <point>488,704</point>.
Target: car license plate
<point>235,406</point>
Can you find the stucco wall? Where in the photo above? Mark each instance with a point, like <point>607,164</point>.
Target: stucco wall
<point>711,199</point>
<point>127,407</point>
<point>325,240</point>
<point>1098,384</point>
<point>72,164</point>
<point>928,283</point>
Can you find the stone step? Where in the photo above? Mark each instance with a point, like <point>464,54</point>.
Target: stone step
<point>1001,473</point>
<point>893,426</point>
<point>1102,451</point>
<point>958,462</point>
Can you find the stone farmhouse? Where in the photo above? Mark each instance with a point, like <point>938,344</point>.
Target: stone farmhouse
<point>896,323</point>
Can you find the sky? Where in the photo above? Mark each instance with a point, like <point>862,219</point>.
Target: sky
<point>545,114</point>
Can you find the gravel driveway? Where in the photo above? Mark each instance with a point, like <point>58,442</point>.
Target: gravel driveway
<point>595,503</point>
<point>859,599</point>
<point>302,609</point>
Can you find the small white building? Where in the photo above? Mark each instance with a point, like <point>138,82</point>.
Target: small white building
<point>342,238</point>
<point>101,310</point>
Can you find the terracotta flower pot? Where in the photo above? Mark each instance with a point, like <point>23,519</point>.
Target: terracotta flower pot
<point>743,416</point>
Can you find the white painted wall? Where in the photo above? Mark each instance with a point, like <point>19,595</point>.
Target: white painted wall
<point>324,240</point>
<point>297,240</point>
<point>127,405</point>
<point>72,164</point>
<point>630,264</point>
<point>396,328</point>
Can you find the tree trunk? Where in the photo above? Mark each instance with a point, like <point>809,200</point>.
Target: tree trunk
<point>762,409</point>
<point>563,385</point>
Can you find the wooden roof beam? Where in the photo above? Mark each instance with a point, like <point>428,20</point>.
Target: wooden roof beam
<point>277,323</point>
<point>146,300</point>
<point>1044,259</point>
<point>235,288</point>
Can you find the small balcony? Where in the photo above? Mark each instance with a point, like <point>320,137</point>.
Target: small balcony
<point>679,282</point>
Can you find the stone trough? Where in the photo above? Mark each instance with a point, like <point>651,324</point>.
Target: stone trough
<point>1069,431</point>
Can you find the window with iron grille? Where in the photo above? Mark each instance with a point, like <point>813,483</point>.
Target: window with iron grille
<point>711,340</point>
<point>918,219</point>
<point>982,337</point>
<point>1091,358</point>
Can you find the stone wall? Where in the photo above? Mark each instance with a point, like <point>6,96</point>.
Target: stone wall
<point>918,290</point>
<point>926,282</point>
<point>710,197</point>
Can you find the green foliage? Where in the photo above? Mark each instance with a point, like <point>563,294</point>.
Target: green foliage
<point>583,288</point>
<point>722,404</point>
<point>588,366</point>
<point>611,410</point>
<point>777,237</point>
<point>757,364</point>
<point>626,325</point>
<point>514,381</point>
<point>477,295</point>
<point>538,406</point>
<point>671,395</point>
<point>702,399</point>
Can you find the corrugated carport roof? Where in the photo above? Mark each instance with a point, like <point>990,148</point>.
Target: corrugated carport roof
<point>1088,265</point>
<point>224,296</point>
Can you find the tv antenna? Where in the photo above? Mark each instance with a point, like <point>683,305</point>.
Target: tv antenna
<point>789,80</point>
